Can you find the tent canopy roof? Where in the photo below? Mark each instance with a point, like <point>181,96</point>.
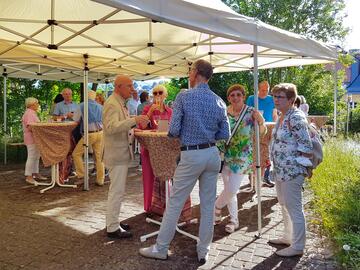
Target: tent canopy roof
<point>145,39</point>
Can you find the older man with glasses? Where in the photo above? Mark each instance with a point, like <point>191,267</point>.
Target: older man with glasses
<point>199,119</point>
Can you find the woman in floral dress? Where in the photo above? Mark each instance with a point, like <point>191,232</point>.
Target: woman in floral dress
<point>290,148</point>
<point>238,154</point>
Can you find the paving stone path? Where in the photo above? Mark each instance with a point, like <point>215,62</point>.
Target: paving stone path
<point>64,229</point>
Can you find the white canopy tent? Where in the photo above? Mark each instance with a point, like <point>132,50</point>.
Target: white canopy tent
<point>146,39</point>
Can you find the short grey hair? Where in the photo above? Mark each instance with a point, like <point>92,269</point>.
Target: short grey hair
<point>66,90</point>
<point>30,101</point>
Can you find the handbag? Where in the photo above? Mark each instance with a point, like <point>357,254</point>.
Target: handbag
<point>233,131</point>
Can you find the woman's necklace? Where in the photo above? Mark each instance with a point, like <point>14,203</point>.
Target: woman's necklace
<point>235,112</point>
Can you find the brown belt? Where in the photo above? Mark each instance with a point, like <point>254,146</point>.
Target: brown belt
<point>94,131</point>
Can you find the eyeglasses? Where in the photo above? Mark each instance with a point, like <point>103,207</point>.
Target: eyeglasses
<point>235,95</point>
<point>158,93</point>
<point>126,85</point>
<point>280,97</point>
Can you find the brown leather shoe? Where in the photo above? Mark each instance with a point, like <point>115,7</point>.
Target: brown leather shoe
<point>118,234</point>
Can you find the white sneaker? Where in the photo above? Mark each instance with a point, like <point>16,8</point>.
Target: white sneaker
<point>152,252</point>
<point>279,241</point>
<point>289,252</point>
<point>231,227</point>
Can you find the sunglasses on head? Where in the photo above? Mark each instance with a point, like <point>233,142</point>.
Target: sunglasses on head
<point>235,95</point>
<point>158,93</point>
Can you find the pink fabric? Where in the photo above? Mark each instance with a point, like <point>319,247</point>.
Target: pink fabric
<point>148,178</point>
<point>165,115</point>
<point>147,171</point>
<point>29,117</point>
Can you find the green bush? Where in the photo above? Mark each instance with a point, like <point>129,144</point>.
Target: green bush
<point>355,120</point>
<point>336,186</point>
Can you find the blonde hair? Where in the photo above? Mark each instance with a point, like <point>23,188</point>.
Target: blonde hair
<point>160,87</point>
<point>30,101</point>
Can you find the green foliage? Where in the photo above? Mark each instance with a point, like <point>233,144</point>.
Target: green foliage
<point>320,19</point>
<point>172,91</point>
<point>355,120</point>
<point>336,186</point>
<point>220,82</point>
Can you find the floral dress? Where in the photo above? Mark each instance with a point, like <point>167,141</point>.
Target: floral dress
<point>239,154</point>
<point>289,140</point>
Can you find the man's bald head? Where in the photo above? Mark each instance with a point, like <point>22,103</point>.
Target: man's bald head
<point>123,86</point>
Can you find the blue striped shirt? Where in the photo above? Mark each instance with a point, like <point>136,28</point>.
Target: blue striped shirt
<point>199,116</point>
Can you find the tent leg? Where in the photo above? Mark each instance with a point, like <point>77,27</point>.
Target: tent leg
<point>257,141</point>
<point>335,101</point>
<point>86,129</point>
<point>5,118</point>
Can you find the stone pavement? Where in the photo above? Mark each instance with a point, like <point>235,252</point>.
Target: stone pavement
<point>64,229</point>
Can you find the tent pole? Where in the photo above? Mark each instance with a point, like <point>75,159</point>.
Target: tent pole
<point>86,128</point>
<point>257,140</point>
<point>5,118</point>
<point>335,100</point>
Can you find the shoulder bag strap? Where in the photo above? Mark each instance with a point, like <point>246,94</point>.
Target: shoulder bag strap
<point>241,117</point>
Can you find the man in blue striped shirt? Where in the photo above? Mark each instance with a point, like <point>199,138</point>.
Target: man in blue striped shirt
<point>199,119</point>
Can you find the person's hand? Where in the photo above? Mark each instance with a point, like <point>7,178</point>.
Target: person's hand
<point>69,115</point>
<point>257,116</point>
<point>142,120</point>
<point>153,108</point>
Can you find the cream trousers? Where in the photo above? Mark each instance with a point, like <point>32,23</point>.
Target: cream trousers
<point>32,161</point>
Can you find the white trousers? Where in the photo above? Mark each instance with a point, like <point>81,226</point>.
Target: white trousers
<point>118,176</point>
<point>232,182</point>
<point>204,165</point>
<point>32,161</point>
<point>289,194</point>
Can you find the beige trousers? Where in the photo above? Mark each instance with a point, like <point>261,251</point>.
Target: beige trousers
<point>96,140</point>
<point>118,176</point>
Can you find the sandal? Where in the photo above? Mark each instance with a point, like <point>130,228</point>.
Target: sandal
<point>218,217</point>
<point>31,181</point>
<point>231,227</point>
<point>40,177</point>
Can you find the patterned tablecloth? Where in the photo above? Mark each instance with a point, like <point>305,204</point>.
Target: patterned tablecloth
<point>163,152</point>
<point>318,120</point>
<point>53,140</point>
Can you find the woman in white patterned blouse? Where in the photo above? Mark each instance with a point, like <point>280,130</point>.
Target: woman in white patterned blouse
<point>290,143</point>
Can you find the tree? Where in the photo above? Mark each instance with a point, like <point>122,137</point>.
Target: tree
<point>318,19</point>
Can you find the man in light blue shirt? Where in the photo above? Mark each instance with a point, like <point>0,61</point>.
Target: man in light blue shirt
<point>199,119</point>
<point>266,102</point>
<point>133,103</point>
<point>95,129</point>
<point>65,109</point>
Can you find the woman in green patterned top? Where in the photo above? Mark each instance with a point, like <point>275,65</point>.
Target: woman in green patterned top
<point>238,154</point>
